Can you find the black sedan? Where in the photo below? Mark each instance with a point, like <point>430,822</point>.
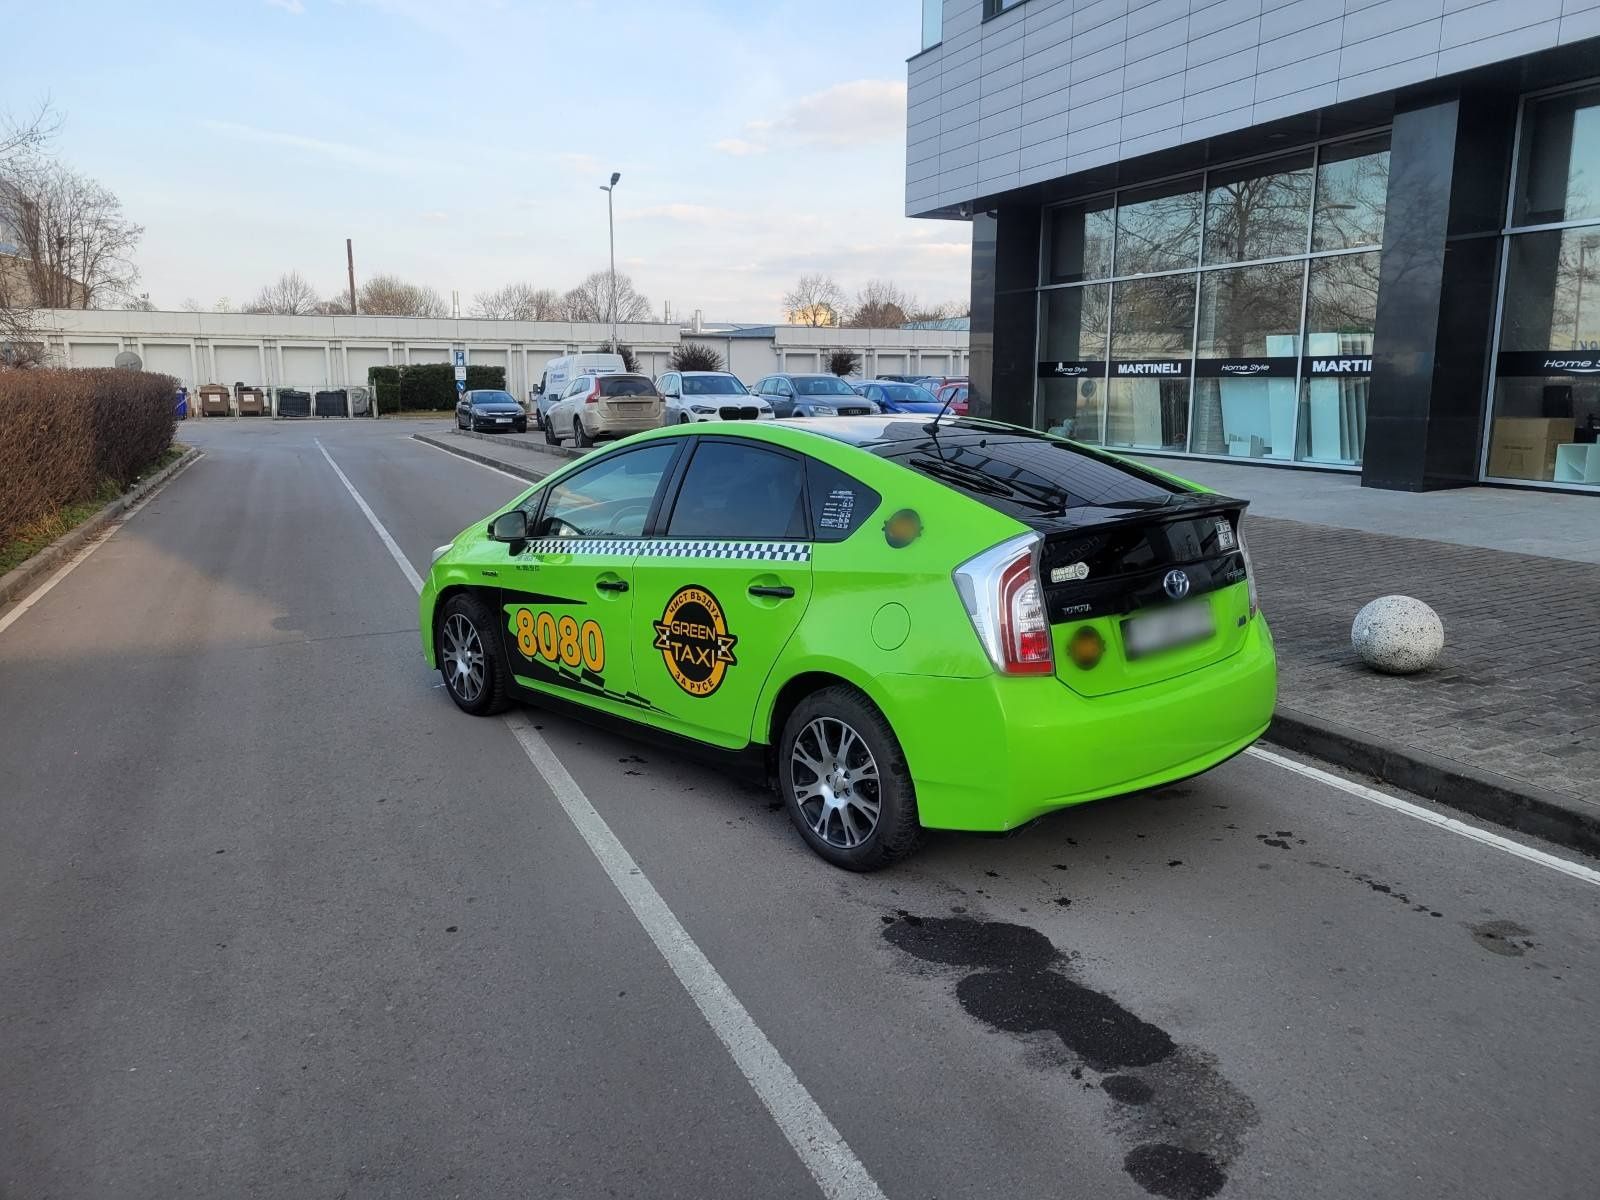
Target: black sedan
<point>490,411</point>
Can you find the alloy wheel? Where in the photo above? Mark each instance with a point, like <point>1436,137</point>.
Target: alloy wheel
<point>463,658</point>
<point>835,781</point>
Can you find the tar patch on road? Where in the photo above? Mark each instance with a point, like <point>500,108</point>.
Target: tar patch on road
<point>1504,937</point>
<point>1184,1120</point>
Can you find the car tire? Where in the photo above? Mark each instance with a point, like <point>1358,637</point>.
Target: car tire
<point>549,433</point>
<point>468,649</point>
<point>683,419</point>
<point>815,731</point>
<point>579,437</point>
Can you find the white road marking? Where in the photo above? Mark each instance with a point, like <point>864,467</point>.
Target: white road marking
<point>404,563</point>
<point>835,1167</point>
<point>1429,817</point>
<point>526,483</point>
<point>822,1148</point>
<point>39,593</point>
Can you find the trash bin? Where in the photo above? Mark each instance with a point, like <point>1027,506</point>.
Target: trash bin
<point>252,402</point>
<point>360,401</point>
<point>214,401</point>
<point>181,405</point>
<point>293,403</point>
<point>333,403</point>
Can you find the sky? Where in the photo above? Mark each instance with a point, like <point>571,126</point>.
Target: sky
<point>462,143</point>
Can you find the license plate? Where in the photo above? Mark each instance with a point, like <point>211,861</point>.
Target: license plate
<point>502,420</point>
<point>1166,629</point>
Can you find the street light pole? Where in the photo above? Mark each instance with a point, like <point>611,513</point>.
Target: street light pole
<point>611,228</point>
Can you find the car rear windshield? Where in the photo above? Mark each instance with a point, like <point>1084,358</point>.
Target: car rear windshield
<point>824,385</point>
<point>712,385</point>
<point>625,385</point>
<point>908,393</point>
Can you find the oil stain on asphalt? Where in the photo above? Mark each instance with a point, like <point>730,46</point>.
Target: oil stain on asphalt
<point>1185,1121</point>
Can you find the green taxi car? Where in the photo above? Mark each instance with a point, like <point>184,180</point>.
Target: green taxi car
<point>908,623</point>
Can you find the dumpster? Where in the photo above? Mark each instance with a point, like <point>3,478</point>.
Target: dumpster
<point>360,401</point>
<point>214,401</point>
<point>252,401</point>
<point>333,403</point>
<point>293,403</point>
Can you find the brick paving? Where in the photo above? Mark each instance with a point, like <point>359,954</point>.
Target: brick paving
<point>1517,690</point>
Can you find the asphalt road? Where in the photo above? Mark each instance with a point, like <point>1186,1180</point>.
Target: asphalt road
<point>277,920</point>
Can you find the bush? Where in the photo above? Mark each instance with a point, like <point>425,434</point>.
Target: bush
<point>66,434</point>
<point>690,356</point>
<point>843,362</point>
<point>427,387</point>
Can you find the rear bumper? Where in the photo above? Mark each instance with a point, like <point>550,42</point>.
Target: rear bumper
<point>599,424</point>
<point>1025,747</point>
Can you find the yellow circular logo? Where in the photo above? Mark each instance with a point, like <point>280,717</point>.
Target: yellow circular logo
<point>694,641</point>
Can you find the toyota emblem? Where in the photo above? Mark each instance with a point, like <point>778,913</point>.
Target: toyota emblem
<point>1176,584</point>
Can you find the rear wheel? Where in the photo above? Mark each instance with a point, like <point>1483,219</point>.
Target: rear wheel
<point>845,781</point>
<point>468,648</point>
<point>579,437</point>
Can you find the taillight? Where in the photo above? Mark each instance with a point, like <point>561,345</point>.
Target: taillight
<point>1249,568</point>
<point>594,394</point>
<point>1001,593</point>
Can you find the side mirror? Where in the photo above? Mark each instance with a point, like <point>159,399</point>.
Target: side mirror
<point>510,527</point>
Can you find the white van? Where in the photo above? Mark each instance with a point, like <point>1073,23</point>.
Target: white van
<point>559,372</point>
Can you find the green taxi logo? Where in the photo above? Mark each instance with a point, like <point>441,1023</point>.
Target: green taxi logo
<point>694,641</point>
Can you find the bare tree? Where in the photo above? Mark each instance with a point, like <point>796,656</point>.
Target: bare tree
<point>21,138</point>
<point>20,342</point>
<point>591,300</point>
<point>289,296</point>
<point>519,302</point>
<point>881,304</point>
<point>390,296</point>
<point>948,311</point>
<point>75,244</point>
<point>815,300</point>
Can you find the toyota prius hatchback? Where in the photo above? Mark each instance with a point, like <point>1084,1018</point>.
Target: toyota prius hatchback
<point>816,599</point>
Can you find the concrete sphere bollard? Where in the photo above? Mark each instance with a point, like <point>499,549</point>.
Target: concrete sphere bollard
<point>1397,635</point>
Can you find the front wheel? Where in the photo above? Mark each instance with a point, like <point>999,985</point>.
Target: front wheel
<point>579,437</point>
<point>549,432</point>
<point>468,649</point>
<point>845,782</point>
<point>683,419</point>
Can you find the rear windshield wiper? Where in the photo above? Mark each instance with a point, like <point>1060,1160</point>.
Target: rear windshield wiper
<point>977,481</point>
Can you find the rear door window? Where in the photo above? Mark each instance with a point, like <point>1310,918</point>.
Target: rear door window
<point>734,490</point>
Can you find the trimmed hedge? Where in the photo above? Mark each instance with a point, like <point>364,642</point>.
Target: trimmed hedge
<point>65,434</point>
<point>427,387</point>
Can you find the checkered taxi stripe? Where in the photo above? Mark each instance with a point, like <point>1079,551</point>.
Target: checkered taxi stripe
<point>675,548</point>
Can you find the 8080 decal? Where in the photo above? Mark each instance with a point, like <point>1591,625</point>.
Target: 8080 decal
<point>560,641</point>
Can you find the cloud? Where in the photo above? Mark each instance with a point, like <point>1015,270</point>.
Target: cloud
<point>288,6</point>
<point>580,164</point>
<point>683,214</point>
<point>436,217</point>
<point>859,113</point>
<point>355,156</point>
<point>738,147</point>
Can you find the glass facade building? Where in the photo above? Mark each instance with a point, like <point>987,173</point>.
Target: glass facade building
<point>1392,276</point>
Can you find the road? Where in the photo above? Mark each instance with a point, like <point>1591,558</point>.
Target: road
<point>277,920</point>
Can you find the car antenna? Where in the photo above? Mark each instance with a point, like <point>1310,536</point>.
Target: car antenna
<point>932,428</point>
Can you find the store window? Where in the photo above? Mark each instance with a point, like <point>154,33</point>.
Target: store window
<point>1072,370</point>
<point>1558,178</point>
<point>1246,356</point>
<point>1158,229</point>
<point>1078,242</point>
<point>1352,184</point>
<point>1152,339</point>
<point>1336,370</point>
<point>1258,211</point>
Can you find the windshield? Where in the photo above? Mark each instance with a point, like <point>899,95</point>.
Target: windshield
<point>821,385</point>
<point>712,385</point>
<point>908,393</point>
<point>626,385</point>
<point>492,398</point>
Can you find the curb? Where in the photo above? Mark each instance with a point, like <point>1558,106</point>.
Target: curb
<point>557,451</point>
<point>14,582</point>
<point>520,472</point>
<point>1568,821</point>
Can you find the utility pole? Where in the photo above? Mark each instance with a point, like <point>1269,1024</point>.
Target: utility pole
<point>350,264</point>
<point>611,227</point>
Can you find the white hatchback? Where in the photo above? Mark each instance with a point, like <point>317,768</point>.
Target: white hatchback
<point>709,396</point>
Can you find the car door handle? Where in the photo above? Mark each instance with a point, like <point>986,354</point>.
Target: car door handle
<point>612,585</point>
<point>780,593</point>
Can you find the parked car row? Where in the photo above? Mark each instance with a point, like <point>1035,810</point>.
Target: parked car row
<point>590,397</point>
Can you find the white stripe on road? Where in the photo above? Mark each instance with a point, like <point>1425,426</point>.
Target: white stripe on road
<point>822,1148</point>
<point>40,592</point>
<point>1429,817</point>
<point>406,568</point>
<point>835,1167</point>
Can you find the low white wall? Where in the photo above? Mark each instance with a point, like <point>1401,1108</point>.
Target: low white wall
<point>313,352</point>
